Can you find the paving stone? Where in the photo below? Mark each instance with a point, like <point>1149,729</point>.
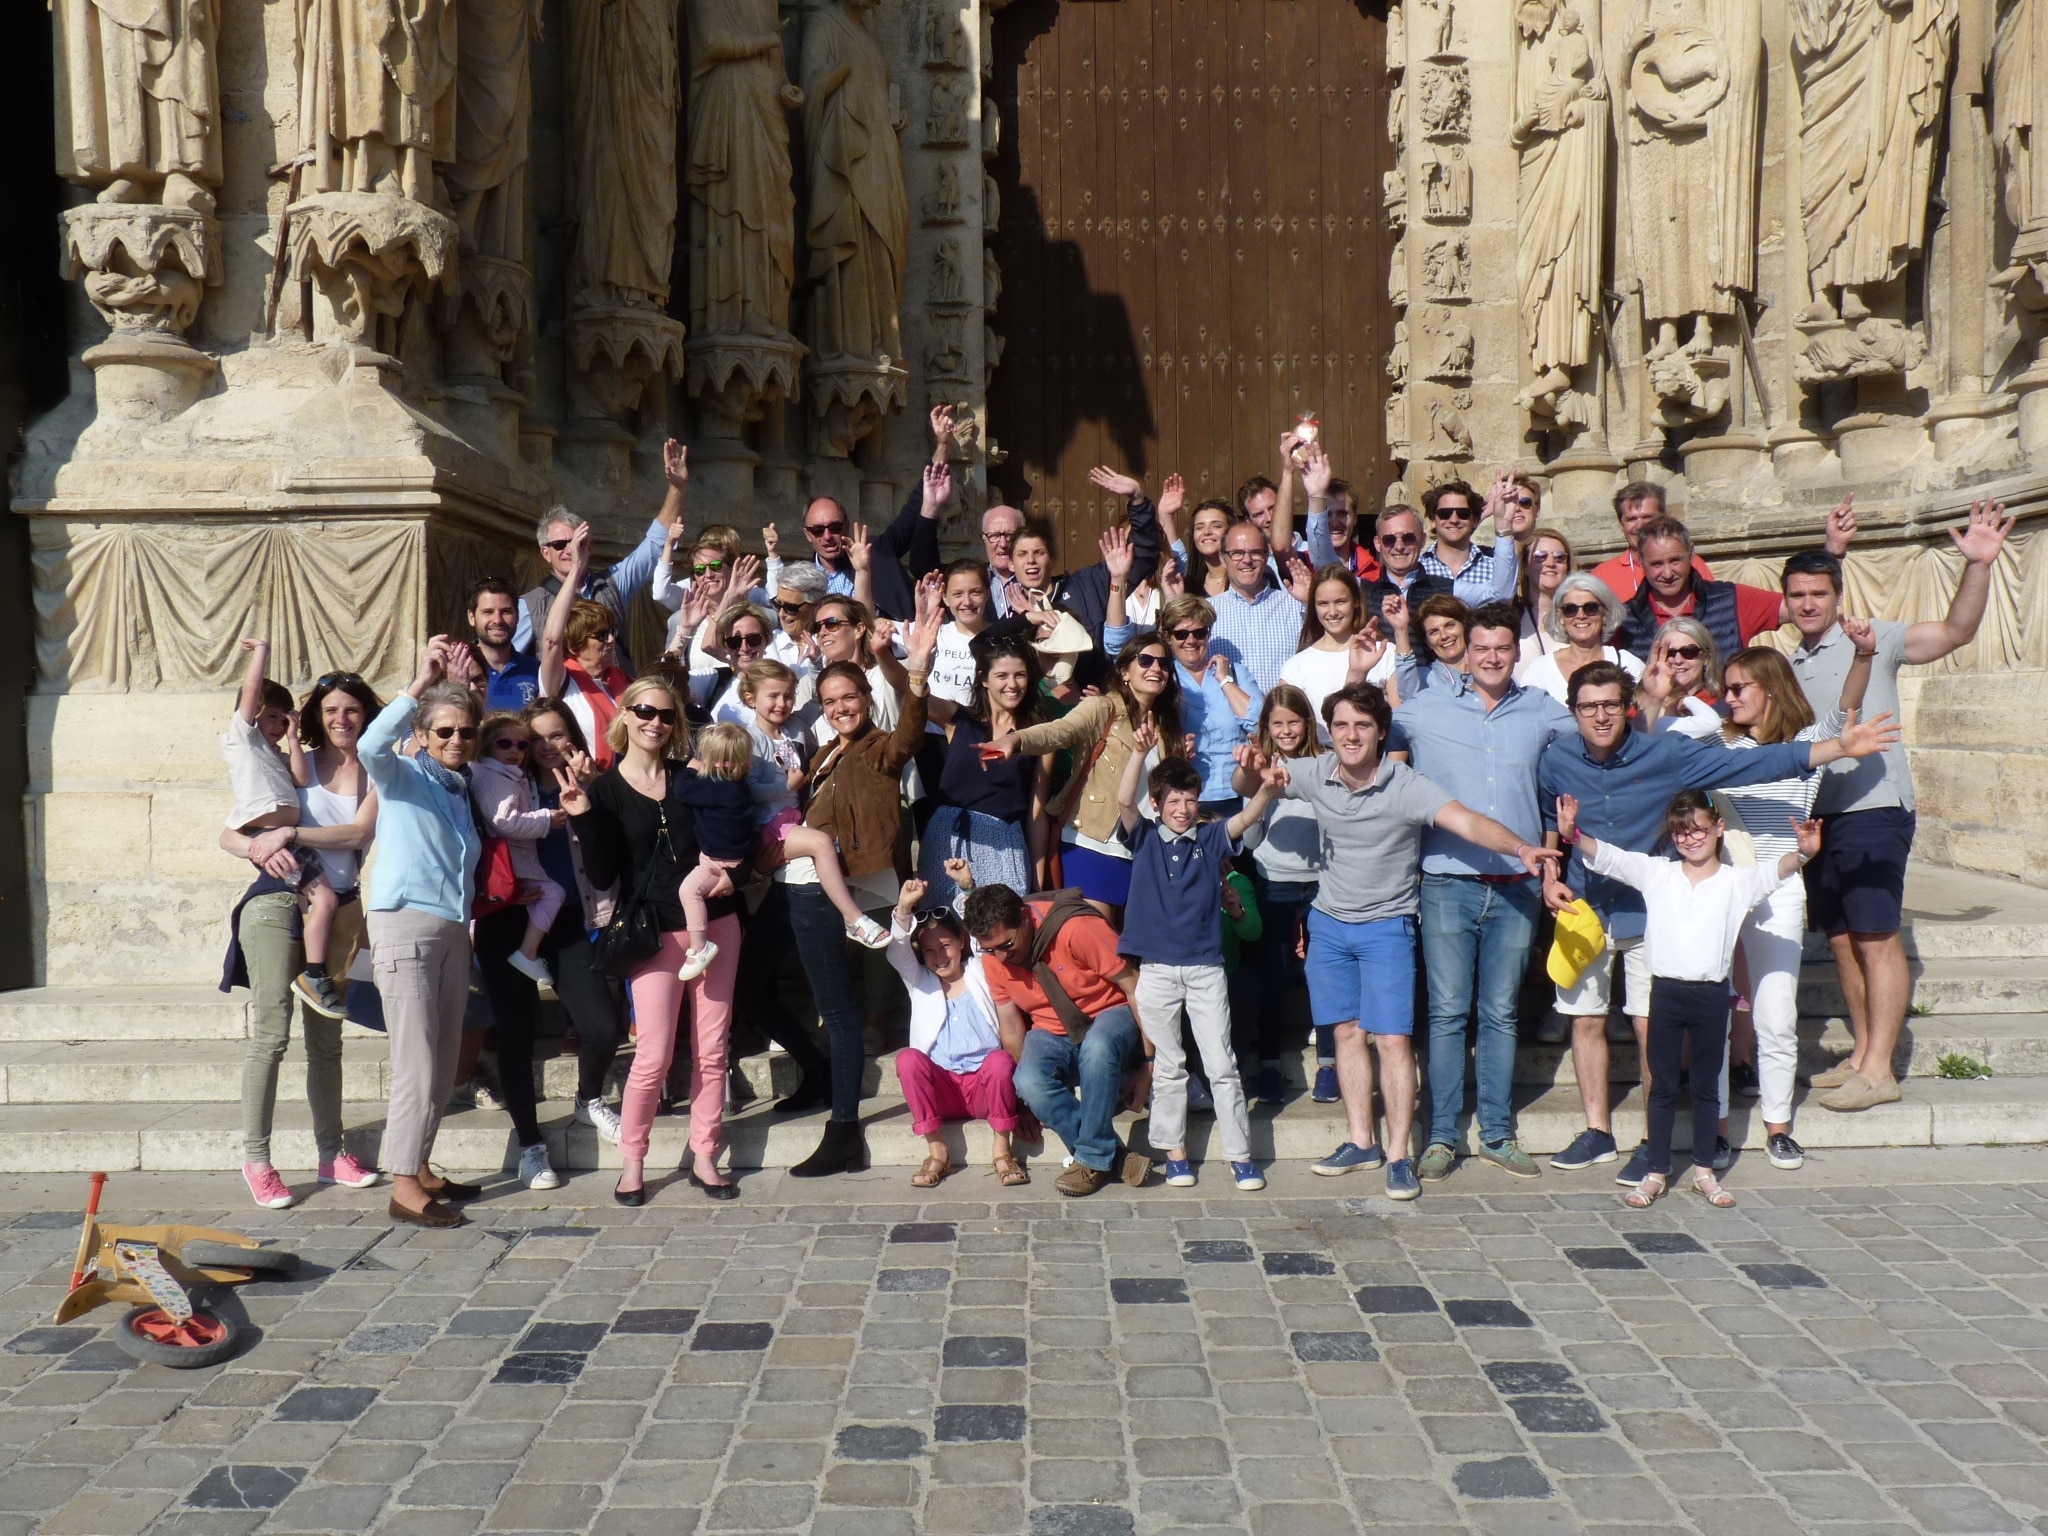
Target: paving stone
<point>1332,1347</point>
<point>539,1370</point>
<point>1783,1277</point>
<point>1511,1378</point>
<point>1509,1477</point>
<point>1663,1242</point>
<point>562,1338</point>
<point>1217,1251</point>
<point>656,1320</point>
<point>487,1322</point>
<point>1081,1520</point>
<point>971,1351</point>
<point>1141,1291</point>
<point>235,1487</point>
<point>979,1421</point>
<point>1380,1300</point>
<point>733,1337</point>
<point>924,1232</point>
<point>913,1280</point>
<point>50,1341</point>
<point>326,1405</point>
<point>1604,1258</point>
<point>1281,1264</point>
<point>1557,1415</point>
<point>879,1442</point>
<point>1487,1314</point>
<point>389,1339</point>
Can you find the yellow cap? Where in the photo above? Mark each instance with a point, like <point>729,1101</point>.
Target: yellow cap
<point>1579,938</point>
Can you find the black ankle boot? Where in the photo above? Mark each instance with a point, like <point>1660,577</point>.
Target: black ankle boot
<point>843,1150</point>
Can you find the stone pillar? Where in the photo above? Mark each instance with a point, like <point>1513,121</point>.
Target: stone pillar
<point>145,267</point>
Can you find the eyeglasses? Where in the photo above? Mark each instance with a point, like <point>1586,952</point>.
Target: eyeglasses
<point>556,546</point>
<point>509,744</point>
<point>1549,555</point>
<point>1690,833</point>
<point>825,530</point>
<point>1683,652</point>
<point>707,569</point>
<point>650,714</point>
<point>1599,707</point>
<point>831,625</point>
<point>789,608</point>
<point>1399,540</point>
<point>1244,554</point>
<point>1579,610</point>
<point>1152,661</point>
<point>460,732</point>
<point>750,641</point>
<point>999,535</point>
<point>1465,513</point>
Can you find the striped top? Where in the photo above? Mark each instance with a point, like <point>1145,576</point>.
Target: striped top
<point>1767,809</point>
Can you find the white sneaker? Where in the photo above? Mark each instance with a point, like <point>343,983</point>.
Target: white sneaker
<point>869,932</point>
<point>534,970</point>
<point>487,1097</point>
<point>535,1171</point>
<point>600,1117</point>
<point>697,961</point>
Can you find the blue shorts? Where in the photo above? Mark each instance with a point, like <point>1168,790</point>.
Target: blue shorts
<point>1857,883</point>
<point>1362,972</point>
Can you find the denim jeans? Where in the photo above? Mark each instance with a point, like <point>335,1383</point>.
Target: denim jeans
<point>1475,947</point>
<point>1051,1069</point>
<point>820,934</point>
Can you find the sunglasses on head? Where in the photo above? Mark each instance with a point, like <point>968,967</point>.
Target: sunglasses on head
<point>822,530</point>
<point>1580,610</point>
<point>460,732</point>
<point>1152,661</point>
<point>556,546</point>
<point>1684,652</point>
<point>510,744</point>
<point>335,679</point>
<point>649,713</point>
<point>1192,634</point>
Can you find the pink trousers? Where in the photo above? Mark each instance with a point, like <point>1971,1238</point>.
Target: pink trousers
<point>936,1095</point>
<point>657,1004</point>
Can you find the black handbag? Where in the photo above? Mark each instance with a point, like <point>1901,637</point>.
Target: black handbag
<point>633,936</point>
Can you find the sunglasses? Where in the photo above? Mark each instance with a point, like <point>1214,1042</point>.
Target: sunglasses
<point>460,732</point>
<point>556,546</point>
<point>997,949</point>
<point>1683,652</point>
<point>1400,540</point>
<point>1191,634</point>
<point>510,744</point>
<point>749,642</point>
<point>1579,610</point>
<point>830,625</point>
<point>1152,661</point>
<point>650,714</point>
<point>706,570</point>
<point>334,679</point>
<point>825,530</point>
<point>789,608</point>
<point>604,636</point>
<point>1548,555</point>
<point>1465,514</point>
<point>1523,501</point>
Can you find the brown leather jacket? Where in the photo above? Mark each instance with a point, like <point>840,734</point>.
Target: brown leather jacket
<point>857,794</point>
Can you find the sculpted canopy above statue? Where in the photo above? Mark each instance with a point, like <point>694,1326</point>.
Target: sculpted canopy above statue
<point>138,103</point>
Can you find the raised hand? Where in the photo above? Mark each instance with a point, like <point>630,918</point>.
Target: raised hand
<point>1145,737</point>
<point>771,539</point>
<point>1246,755</point>
<point>960,872</point>
<point>1808,833</point>
<point>1173,581</point>
<point>1984,535</point>
<point>1220,668</point>
<point>1114,483</point>
<point>1395,611</point>
<point>1657,682</point>
<point>1173,495</point>
<point>942,432</point>
<point>699,601</point>
<point>433,665</point>
<point>675,464</point>
<point>924,638</point>
<point>743,576</point>
<point>858,551</point>
<point>1867,737</point>
<point>1116,553</point>
<point>461,662</point>
<point>931,594</point>
<point>1567,815</point>
<point>1316,473</point>
<point>882,637</point>
<point>1862,634</point>
<point>579,551</point>
<point>1841,526</point>
<point>1301,576</point>
<point>1367,651</point>
<point>938,487</point>
<point>911,892</point>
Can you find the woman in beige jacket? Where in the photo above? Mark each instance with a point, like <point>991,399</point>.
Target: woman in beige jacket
<point>1100,732</point>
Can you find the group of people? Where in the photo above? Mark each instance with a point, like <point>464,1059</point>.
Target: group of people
<point>1092,825</point>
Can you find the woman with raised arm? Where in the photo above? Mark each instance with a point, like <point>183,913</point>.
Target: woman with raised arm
<point>579,652</point>
<point>991,815</point>
<point>1681,686</point>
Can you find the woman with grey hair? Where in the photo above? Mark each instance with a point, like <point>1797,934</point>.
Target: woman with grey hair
<point>742,637</point>
<point>421,892</point>
<point>1681,687</point>
<point>799,587</point>
<point>1584,614</point>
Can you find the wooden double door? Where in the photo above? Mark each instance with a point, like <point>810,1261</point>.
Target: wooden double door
<point>1192,243</point>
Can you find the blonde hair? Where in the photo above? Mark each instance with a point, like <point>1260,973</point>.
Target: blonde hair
<point>496,721</point>
<point>638,689</point>
<point>726,751</point>
<point>767,670</point>
<point>1786,711</point>
<point>1189,605</point>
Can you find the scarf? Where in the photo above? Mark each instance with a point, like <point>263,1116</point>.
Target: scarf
<point>602,695</point>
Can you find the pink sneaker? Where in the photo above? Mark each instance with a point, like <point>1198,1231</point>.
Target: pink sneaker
<point>267,1188</point>
<point>347,1172</point>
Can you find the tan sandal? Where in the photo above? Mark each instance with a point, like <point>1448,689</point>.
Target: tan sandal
<point>1646,1194</point>
<point>1010,1171</point>
<point>931,1171</point>
<point>1709,1189</point>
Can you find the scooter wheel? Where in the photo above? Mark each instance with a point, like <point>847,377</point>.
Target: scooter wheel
<point>150,1335</point>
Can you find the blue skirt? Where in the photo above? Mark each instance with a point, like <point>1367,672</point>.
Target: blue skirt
<point>995,850</point>
<point>1098,876</point>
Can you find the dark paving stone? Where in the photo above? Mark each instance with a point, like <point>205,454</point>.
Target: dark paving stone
<point>488,1322</point>
<point>913,1280</point>
<point>669,1320</point>
<point>1663,1242</point>
<point>49,1221</point>
<point>956,1422</point>
<point>739,1337</point>
<point>49,1341</point>
<point>534,1369</point>
<point>1511,1378</point>
<point>923,1232</point>
<point>1299,1264</point>
<point>1558,1415</point>
<point>1511,1477</point>
<point>1217,1251</point>
<point>550,1232</point>
<point>368,1261</point>
<point>879,1442</point>
<point>1135,1291</point>
<point>326,1405</point>
<point>1488,1314</point>
<point>1324,1347</point>
<point>1604,1258</point>
<point>389,1339</point>
<point>1386,1300</point>
<point>969,1351</point>
<point>1784,1277</point>
<point>101,1355</point>
<point>563,1338</point>
<point>245,1487</point>
<point>1081,1520</point>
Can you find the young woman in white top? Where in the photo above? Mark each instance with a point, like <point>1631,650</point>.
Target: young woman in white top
<point>965,595</point>
<point>1697,907</point>
<point>1584,614</point>
<point>1767,705</point>
<point>1335,649</point>
<point>1546,562</point>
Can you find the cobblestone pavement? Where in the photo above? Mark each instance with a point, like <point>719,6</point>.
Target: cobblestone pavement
<point>1836,1353</point>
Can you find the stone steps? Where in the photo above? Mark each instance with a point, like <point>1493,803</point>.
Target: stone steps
<point>196,1137</point>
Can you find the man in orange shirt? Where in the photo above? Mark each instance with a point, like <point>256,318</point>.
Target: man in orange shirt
<point>1066,1010</point>
<point>1636,505</point>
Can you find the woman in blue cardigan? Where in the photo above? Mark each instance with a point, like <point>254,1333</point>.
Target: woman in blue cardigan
<point>420,895</point>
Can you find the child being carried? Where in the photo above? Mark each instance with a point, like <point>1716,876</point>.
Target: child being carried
<point>505,803</point>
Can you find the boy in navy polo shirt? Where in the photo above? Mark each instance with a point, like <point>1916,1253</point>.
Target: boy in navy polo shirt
<point>1173,927</point>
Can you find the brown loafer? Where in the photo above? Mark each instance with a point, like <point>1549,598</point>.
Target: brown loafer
<point>450,1189</point>
<point>1081,1180</point>
<point>436,1215</point>
<point>1137,1168</point>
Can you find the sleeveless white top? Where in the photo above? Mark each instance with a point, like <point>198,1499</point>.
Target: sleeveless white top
<point>322,807</point>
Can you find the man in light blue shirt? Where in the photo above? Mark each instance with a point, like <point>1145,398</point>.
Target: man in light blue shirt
<point>1258,625</point>
<point>1479,735</point>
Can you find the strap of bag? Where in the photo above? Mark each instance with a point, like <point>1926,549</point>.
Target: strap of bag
<point>1066,904</point>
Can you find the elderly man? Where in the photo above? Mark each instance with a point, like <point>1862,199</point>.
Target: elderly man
<point>1258,623</point>
<point>1000,526</point>
<point>617,587</point>
<point>1399,541</point>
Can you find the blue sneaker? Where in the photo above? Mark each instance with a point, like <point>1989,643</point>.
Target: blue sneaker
<point>1180,1173</point>
<point>1349,1156</point>
<point>1325,1090</point>
<point>1248,1175</point>
<point>1401,1181</point>
<point>1638,1166</point>
<point>1588,1148</point>
<point>1272,1086</point>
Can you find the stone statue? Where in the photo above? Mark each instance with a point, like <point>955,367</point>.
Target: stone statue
<point>742,208</point>
<point>377,95</point>
<point>138,101</point>
<point>1559,126</point>
<point>945,119</point>
<point>1447,182</point>
<point>624,93</point>
<point>493,125</point>
<point>1871,75</point>
<point>942,203</point>
<point>1396,38</point>
<point>2017,82</point>
<point>859,228</point>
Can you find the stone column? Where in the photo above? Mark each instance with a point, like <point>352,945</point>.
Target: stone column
<point>145,268</point>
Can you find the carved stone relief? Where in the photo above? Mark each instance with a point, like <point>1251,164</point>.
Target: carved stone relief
<point>1394,197</point>
<point>1445,92</point>
<point>945,119</point>
<point>945,40</point>
<point>138,100</point>
<point>377,96</point>
<point>1447,344</point>
<point>1397,38</point>
<point>1446,182</point>
<point>948,282</point>
<point>1447,268</point>
<point>1397,275</point>
<point>1433,20</point>
<point>1397,356</point>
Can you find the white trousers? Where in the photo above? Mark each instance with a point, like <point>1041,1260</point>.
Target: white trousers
<point>1773,937</point>
<point>1163,991</point>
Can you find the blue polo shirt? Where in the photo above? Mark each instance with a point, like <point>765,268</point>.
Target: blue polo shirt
<point>1486,759</point>
<point>1623,800</point>
<point>1174,915</point>
<point>512,686</point>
